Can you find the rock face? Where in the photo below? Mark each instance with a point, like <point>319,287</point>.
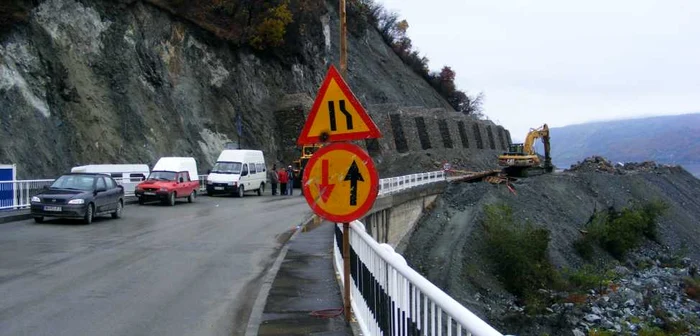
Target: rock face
<point>96,81</point>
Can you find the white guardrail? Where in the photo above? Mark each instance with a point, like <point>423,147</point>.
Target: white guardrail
<point>390,298</point>
<point>17,194</point>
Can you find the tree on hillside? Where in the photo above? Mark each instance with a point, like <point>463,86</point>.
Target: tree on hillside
<point>271,28</point>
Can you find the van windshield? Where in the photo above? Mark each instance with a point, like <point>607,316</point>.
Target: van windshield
<point>227,168</point>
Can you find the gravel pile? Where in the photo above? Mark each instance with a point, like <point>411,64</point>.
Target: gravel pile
<point>594,164</point>
<point>602,165</point>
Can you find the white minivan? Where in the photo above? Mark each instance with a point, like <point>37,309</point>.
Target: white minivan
<point>237,171</point>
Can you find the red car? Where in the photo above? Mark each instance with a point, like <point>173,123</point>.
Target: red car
<point>167,186</point>
<point>171,178</point>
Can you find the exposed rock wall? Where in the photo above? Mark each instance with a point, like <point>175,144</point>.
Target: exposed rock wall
<point>96,81</point>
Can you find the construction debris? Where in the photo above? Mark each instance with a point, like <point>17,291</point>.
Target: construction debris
<point>602,165</point>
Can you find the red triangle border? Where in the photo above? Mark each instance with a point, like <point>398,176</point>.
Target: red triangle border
<point>373,133</point>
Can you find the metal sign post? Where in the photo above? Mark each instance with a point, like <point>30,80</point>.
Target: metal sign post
<point>346,271</point>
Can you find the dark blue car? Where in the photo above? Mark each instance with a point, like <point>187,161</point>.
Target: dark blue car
<point>79,196</point>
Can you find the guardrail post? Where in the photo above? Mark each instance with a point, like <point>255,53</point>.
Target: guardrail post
<point>346,270</point>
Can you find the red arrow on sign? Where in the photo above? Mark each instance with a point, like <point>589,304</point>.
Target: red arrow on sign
<point>325,188</point>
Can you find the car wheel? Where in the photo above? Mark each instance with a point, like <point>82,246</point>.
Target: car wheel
<point>171,200</point>
<point>118,213</point>
<point>241,191</point>
<point>89,214</point>
<point>38,219</point>
<point>192,196</point>
<point>261,189</point>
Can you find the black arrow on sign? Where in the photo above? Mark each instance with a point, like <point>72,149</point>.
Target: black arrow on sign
<point>353,176</point>
<point>348,116</point>
<point>331,112</point>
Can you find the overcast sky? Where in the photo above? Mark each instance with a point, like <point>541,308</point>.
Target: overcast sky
<point>564,62</point>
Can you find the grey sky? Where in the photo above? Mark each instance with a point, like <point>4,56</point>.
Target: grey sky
<point>564,62</point>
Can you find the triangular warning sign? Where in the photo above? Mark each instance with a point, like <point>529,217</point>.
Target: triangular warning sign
<point>337,115</point>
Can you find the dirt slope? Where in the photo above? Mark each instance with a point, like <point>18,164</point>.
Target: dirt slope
<point>445,244</point>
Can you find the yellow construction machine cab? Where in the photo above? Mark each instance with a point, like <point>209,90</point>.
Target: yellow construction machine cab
<point>307,151</point>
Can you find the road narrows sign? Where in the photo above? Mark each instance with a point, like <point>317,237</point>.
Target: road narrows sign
<point>338,114</point>
<point>340,182</point>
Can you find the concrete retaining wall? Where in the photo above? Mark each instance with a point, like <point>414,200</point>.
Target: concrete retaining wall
<point>393,218</point>
<point>405,129</point>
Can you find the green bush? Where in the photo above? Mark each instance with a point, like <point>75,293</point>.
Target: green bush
<point>597,332</point>
<point>620,231</point>
<point>584,248</point>
<point>588,277</point>
<point>652,331</point>
<point>517,251</point>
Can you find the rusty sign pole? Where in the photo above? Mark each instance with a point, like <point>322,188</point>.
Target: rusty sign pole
<point>343,41</point>
<point>346,226</point>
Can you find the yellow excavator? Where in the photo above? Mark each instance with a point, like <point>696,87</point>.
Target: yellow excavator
<point>521,159</point>
<point>307,152</point>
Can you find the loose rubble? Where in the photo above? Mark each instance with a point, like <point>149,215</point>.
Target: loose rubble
<point>600,164</point>
<point>649,294</point>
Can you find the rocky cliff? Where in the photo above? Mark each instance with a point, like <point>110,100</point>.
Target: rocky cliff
<point>95,81</point>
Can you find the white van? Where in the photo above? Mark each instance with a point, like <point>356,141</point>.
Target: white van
<point>237,171</point>
<point>127,175</point>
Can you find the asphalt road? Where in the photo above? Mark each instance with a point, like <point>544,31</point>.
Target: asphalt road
<point>192,269</point>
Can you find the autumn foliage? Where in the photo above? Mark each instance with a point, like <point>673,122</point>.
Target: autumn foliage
<point>394,32</point>
<point>256,23</point>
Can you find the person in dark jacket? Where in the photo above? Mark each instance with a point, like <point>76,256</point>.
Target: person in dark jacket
<point>290,183</point>
<point>274,179</point>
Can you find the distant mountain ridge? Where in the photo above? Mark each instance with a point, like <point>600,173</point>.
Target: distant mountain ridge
<point>664,139</point>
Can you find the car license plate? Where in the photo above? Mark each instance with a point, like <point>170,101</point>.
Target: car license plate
<point>52,208</point>
<point>218,188</point>
<point>149,193</point>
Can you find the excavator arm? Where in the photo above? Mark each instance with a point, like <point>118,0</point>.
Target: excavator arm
<point>523,155</point>
<point>534,134</point>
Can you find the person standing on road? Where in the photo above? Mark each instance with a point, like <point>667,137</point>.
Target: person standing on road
<point>274,179</point>
<point>290,177</point>
<point>283,178</point>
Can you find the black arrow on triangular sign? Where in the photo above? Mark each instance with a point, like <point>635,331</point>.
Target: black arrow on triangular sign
<point>353,176</point>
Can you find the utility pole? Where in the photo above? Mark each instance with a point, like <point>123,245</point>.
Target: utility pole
<point>346,226</point>
<point>343,42</point>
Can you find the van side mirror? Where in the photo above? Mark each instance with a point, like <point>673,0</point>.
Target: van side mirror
<point>208,171</point>
<point>182,179</point>
<point>244,173</point>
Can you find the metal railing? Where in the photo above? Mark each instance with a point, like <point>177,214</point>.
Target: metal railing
<point>18,194</point>
<point>395,184</point>
<point>390,298</point>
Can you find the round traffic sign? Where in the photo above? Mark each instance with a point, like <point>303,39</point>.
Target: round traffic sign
<point>340,182</point>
